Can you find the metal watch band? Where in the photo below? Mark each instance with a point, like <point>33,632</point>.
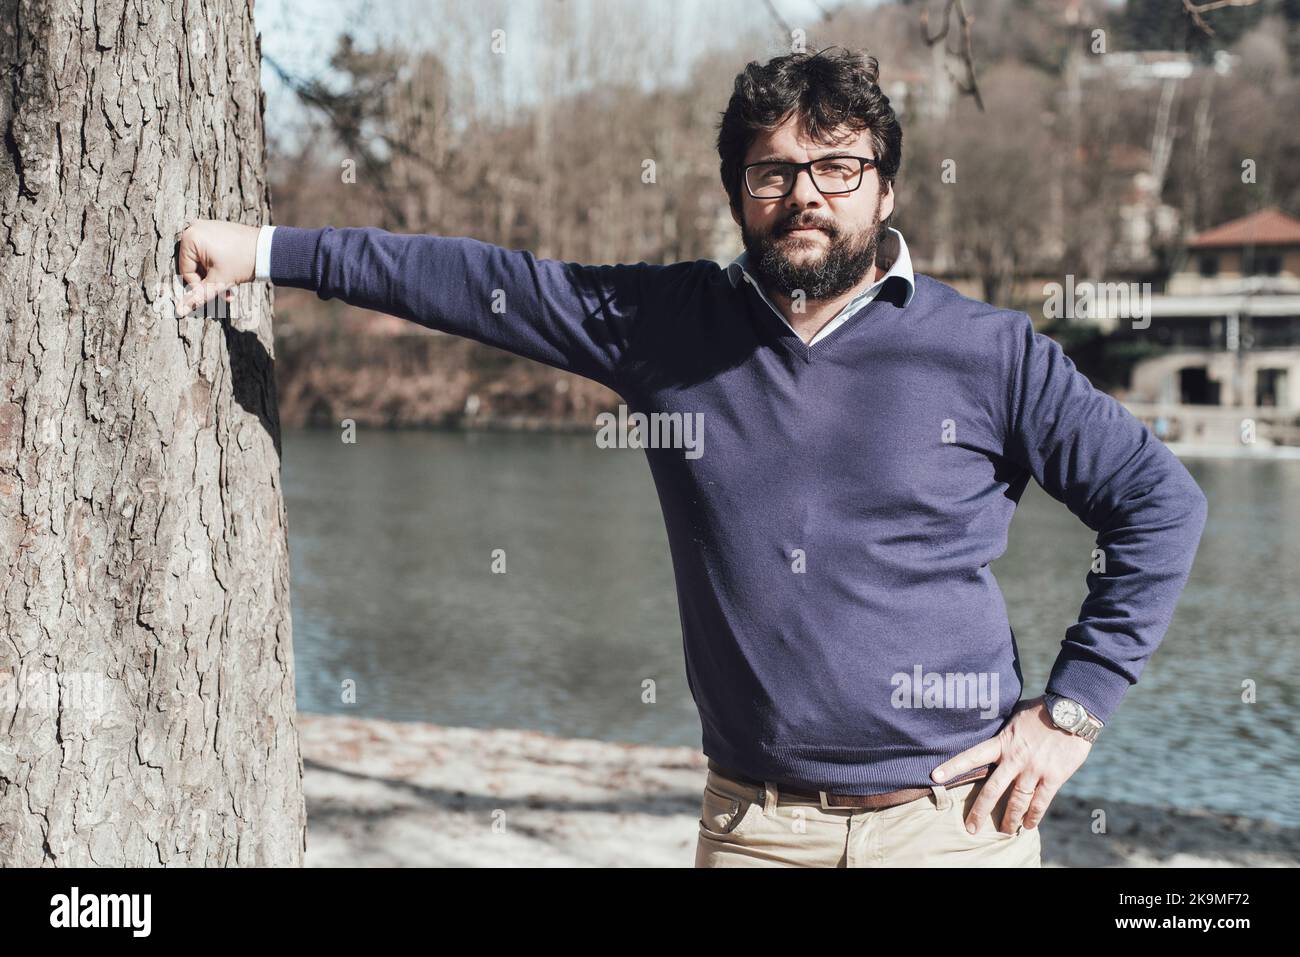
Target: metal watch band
<point>1087,727</point>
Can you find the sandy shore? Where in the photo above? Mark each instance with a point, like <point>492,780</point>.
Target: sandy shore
<point>384,793</point>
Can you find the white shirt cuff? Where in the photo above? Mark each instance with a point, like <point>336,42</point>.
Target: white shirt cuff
<point>262,270</point>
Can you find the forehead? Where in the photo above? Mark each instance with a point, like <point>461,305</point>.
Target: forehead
<point>789,141</point>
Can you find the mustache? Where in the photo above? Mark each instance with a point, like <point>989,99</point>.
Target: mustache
<point>805,223</point>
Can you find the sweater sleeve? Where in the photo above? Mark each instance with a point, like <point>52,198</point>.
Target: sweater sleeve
<point>1089,452</point>
<point>571,316</point>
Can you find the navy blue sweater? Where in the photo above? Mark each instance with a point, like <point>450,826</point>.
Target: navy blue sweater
<point>832,542</point>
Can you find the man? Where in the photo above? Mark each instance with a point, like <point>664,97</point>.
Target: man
<point>867,435</point>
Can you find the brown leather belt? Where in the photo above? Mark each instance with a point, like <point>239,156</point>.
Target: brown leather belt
<point>834,800</point>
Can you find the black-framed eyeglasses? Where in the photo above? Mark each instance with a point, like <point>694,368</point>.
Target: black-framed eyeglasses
<point>830,174</point>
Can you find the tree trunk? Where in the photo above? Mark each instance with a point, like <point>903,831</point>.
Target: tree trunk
<point>146,662</point>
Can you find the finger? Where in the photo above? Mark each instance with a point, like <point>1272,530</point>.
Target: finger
<point>1043,796</point>
<point>1023,790</point>
<point>189,259</point>
<point>994,785</point>
<point>204,290</point>
<point>986,752</point>
<point>185,302</point>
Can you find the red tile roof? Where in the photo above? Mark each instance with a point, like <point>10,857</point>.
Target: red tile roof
<point>1268,227</point>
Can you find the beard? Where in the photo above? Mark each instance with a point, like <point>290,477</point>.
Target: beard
<point>846,259</point>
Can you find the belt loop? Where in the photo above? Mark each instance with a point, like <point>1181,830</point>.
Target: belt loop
<point>941,796</point>
<point>769,798</point>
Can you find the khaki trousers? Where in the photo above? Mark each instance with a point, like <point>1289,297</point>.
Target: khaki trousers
<point>745,826</point>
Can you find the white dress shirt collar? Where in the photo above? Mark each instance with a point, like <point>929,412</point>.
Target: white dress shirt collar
<point>893,254</point>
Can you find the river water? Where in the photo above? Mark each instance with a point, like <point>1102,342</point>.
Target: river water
<point>396,613</point>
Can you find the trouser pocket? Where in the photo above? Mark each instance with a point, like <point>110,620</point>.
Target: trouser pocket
<point>964,797</point>
<point>728,807</point>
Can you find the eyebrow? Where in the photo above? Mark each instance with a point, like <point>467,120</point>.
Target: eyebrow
<point>777,158</point>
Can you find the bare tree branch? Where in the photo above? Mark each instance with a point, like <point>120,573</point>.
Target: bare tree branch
<point>826,14</point>
<point>970,86</point>
<point>771,8</point>
<point>1194,10</point>
<point>314,95</point>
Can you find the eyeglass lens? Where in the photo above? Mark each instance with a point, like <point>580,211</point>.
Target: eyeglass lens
<point>834,175</point>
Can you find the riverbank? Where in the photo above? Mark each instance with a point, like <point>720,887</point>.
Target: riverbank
<point>384,794</point>
<point>408,377</point>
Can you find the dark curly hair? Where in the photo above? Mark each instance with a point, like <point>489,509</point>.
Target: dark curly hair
<point>831,88</point>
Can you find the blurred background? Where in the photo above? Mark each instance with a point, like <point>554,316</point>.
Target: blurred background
<point>1147,144</point>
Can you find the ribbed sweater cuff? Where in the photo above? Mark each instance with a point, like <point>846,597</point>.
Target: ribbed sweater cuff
<point>1087,681</point>
<point>293,257</point>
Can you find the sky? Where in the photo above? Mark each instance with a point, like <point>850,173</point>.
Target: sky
<point>299,34</point>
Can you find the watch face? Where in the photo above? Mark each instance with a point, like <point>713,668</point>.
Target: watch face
<point>1066,713</point>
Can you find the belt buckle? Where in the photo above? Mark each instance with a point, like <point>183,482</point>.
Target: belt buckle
<point>827,806</point>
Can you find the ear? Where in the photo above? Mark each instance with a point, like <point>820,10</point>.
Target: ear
<point>887,202</point>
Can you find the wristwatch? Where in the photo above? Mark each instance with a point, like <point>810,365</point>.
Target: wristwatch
<point>1068,715</point>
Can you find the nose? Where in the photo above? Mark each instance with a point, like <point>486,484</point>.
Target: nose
<point>804,193</point>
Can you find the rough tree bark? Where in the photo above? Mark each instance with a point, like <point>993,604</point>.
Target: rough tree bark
<point>146,666</point>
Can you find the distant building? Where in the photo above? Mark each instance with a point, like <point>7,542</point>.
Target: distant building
<point>1259,253</point>
<point>1229,328</point>
<point>1145,221</point>
<point>1145,69</point>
